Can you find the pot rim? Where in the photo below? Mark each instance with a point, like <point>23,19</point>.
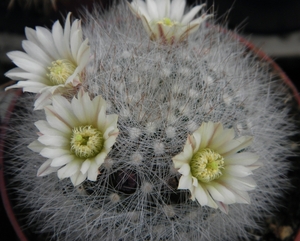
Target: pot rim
<point>264,57</point>
<point>15,94</point>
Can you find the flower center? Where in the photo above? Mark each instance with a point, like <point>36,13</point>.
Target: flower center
<point>86,141</point>
<point>167,22</point>
<point>60,71</point>
<point>206,165</point>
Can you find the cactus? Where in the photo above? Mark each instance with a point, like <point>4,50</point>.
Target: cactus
<point>162,93</point>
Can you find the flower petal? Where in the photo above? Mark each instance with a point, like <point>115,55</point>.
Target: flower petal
<point>223,207</point>
<point>255,166</point>
<point>63,107</point>
<point>31,35</point>
<point>243,158</point>
<point>235,145</point>
<point>42,100</point>
<point>46,40</point>
<point>78,178</point>
<point>177,9</point>
<point>68,170</point>
<point>28,86</point>
<point>185,169</point>
<point>111,120</point>
<point>139,8</point>
<point>195,141</point>
<point>36,52</point>
<point>62,160</point>
<point>101,118</point>
<point>46,169</point>
<point>221,139</point>
<point>215,194</point>
<point>229,197</point>
<point>191,14</point>
<point>55,121</point>
<point>78,110</point>
<point>57,33</point>
<point>75,43</point>
<point>46,129</point>
<point>34,79</point>
<point>152,9</point>
<point>185,182</point>
<point>200,195</point>
<point>85,166</point>
<point>36,146</point>
<point>58,141</point>
<point>207,131</point>
<point>210,202</point>
<point>163,8</point>
<point>66,37</point>
<point>241,196</point>
<point>242,184</point>
<point>27,63</point>
<point>111,140</point>
<point>237,171</point>
<point>183,157</point>
<point>53,152</point>
<point>99,159</point>
<point>83,55</point>
<point>93,172</point>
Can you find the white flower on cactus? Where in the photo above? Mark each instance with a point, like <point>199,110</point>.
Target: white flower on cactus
<point>214,168</point>
<point>165,20</point>
<point>76,137</point>
<point>52,63</point>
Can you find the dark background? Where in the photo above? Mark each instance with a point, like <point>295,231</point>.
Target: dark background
<point>256,17</point>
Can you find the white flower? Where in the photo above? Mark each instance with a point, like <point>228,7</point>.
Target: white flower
<point>53,62</point>
<point>165,21</point>
<point>214,168</point>
<point>76,137</point>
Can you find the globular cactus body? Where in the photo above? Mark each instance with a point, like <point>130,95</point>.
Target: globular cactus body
<point>161,93</point>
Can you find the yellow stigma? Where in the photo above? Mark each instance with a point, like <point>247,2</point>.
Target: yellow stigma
<point>206,165</point>
<point>166,22</point>
<point>86,141</point>
<point>60,71</point>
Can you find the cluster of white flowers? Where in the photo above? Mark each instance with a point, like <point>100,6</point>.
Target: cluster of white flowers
<point>76,136</point>
<point>162,138</point>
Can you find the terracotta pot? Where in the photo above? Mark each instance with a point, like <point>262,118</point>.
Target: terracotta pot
<point>297,238</point>
<point>10,98</point>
